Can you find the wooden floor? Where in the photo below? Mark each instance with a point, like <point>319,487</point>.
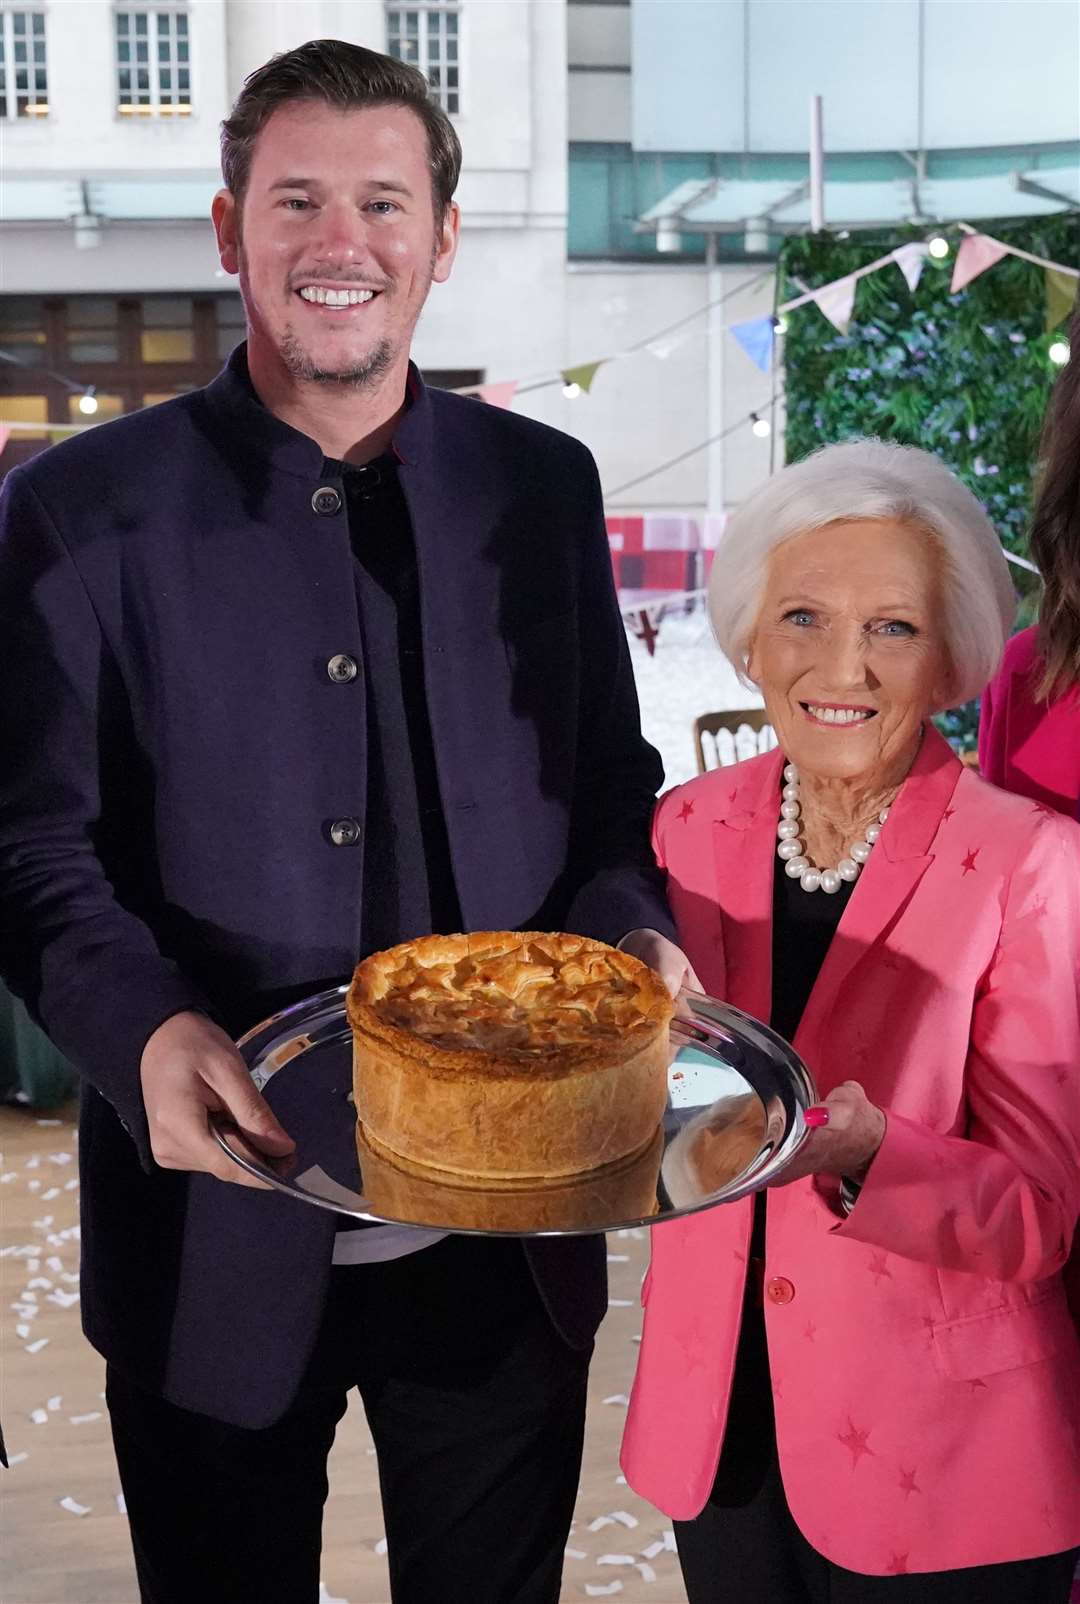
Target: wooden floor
<point>62,1525</point>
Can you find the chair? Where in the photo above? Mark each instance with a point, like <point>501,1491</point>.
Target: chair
<point>748,732</point>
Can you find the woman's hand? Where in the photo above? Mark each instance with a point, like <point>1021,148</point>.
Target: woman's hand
<point>669,961</point>
<point>847,1131</point>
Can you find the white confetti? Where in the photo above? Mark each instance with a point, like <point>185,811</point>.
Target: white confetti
<point>16,1459</point>
<point>84,1420</point>
<point>47,1197</point>
<point>36,1347</point>
<point>624,1519</point>
<point>620,1303</point>
<point>669,1543</point>
<point>38,1417</point>
<point>54,1264</point>
<point>22,1332</point>
<point>8,1176</point>
<point>54,1403</point>
<point>121,1504</point>
<point>33,1186</point>
<point>72,1278</point>
<point>653,1549</point>
<point>380,1546</point>
<point>620,1481</point>
<point>72,1185</point>
<point>61,1158</point>
<point>39,1281</point>
<point>575,1553</point>
<point>33,1163</point>
<point>63,1300</point>
<point>73,1506</point>
<point>600,1522</point>
<point>632,1233</point>
<point>44,1122</point>
<point>647,1572</point>
<point>618,1258</point>
<point>597,1590</point>
<point>615,1559</point>
<point>326,1597</point>
<point>44,1223</point>
<point>619,1398</point>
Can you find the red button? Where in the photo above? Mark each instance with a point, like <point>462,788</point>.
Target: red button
<point>778,1289</point>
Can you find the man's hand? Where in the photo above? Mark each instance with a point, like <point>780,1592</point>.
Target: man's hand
<point>669,961</point>
<point>847,1131</point>
<point>190,1070</point>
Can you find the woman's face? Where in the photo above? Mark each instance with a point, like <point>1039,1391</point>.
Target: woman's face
<point>848,648</point>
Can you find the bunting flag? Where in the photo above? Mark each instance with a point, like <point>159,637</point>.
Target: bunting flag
<point>583,375</point>
<point>756,338</point>
<point>1060,295</point>
<point>837,301</point>
<point>911,259</point>
<point>977,252</point>
<point>498,395</point>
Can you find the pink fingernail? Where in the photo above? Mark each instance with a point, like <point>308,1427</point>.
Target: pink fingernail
<point>815,1117</point>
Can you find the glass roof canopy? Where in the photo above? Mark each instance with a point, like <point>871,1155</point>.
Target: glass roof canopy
<point>872,190</point>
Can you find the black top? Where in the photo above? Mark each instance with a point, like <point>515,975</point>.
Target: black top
<point>804,923</point>
<point>408,882</point>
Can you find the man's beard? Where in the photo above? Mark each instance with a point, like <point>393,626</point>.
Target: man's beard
<point>358,375</point>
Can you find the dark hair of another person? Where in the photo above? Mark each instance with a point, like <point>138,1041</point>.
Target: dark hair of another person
<point>1055,530</point>
<point>349,78</point>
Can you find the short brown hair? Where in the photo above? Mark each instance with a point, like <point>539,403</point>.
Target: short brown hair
<point>346,76</point>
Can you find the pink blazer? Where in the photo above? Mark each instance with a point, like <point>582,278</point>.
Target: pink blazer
<point>1025,745</point>
<point>926,1373</point>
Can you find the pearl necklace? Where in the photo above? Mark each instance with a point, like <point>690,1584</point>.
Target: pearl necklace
<point>792,851</point>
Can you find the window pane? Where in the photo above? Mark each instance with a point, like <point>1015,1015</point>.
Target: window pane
<point>39,22</point>
<point>25,409</point>
<point>167,345</point>
<point>140,22</point>
<point>108,406</point>
<point>181,22</point>
<point>19,21</point>
<point>166,312</point>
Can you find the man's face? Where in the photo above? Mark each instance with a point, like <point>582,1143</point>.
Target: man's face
<point>338,243</point>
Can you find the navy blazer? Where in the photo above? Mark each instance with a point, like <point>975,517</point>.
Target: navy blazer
<point>175,753</point>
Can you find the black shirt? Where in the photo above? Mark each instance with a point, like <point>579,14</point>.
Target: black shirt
<point>408,885</point>
<point>804,924</point>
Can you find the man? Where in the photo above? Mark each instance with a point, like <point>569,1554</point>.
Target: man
<point>295,667</point>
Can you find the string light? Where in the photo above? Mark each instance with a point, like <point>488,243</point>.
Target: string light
<point>88,403</point>
<point>1059,353</point>
<point>571,391</point>
<point>939,247</point>
<point>760,426</point>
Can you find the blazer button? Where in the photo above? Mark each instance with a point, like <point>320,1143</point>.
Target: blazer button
<point>778,1289</point>
<point>345,832</point>
<point>326,501</point>
<point>341,668</point>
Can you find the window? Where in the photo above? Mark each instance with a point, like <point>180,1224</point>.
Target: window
<point>231,324</point>
<point>167,333</point>
<point>93,333</point>
<point>153,64</point>
<point>24,90</point>
<point>427,36</point>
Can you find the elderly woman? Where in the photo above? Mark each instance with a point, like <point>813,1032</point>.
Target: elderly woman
<point>871,1390</point>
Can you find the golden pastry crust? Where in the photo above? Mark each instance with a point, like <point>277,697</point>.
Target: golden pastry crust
<point>505,1054</point>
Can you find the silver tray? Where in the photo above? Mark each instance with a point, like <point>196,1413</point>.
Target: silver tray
<point>737,1095</point>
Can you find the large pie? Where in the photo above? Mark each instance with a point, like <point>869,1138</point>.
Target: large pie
<point>508,1057</point>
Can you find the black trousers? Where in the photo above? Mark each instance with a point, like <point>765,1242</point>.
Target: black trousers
<point>754,1553</point>
<point>477,1410</point>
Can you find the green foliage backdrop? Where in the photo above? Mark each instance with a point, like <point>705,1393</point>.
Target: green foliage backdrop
<point>966,376</point>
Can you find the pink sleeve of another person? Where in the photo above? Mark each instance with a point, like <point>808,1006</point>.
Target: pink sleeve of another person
<point>1025,745</point>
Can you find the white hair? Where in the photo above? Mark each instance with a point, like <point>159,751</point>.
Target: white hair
<point>872,479</point>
